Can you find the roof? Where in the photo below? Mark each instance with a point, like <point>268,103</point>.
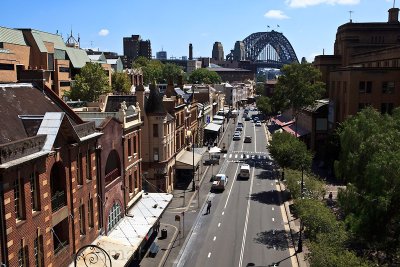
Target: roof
<point>41,37</point>
<point>186,159</point>
<point>11,36</point>
<point>154,102</point>
<point>112,61</point>
<point>114,102</point>
<point>22,99</point>
<point>77,56</point>
<point>212,127</point>
<point>59,54</point>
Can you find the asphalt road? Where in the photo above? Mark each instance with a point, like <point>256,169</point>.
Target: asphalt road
<point>245,226</point>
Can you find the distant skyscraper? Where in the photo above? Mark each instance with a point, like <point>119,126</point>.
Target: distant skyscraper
<point>239,51</point>
<point>218,51</point>
<point>135,47</point>
<point>161,55</point>
<point>190,51</point>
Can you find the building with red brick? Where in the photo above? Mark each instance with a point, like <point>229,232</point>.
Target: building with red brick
<point>48,171</point>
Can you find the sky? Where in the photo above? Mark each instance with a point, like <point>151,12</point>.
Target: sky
<point>170,25</point>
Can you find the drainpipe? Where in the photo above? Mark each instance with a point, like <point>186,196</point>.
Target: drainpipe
<point>100,188</point>
<point>71,196</point>
<point>123,175</point>
<point>3,227</point>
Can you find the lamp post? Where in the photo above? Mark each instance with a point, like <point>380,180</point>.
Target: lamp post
<point>194,167</point>
<point>94,255</point>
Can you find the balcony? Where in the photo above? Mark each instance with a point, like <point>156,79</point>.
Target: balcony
<point>58,200</point>
<point>111,176</point>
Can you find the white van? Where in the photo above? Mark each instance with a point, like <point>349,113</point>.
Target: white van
<point>244,171</point>
<point>219,183</point>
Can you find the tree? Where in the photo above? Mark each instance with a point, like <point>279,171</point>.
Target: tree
<point>204,76</point>
<point>152,69</point>
<point>298,87</point>
<point>289,152</point>
<point>264,105</point>
<point>171,72</point>
<point>260,88</point>
<point>370,161</point>
<point>90,83</point>
<point>120,83</point>
<point>314,186</point>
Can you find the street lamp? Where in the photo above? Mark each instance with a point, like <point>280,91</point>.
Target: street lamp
<point>194,168</point>
<point>300,244</point>
<point>94,256</point>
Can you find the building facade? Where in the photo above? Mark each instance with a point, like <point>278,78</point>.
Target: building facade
<point>135,47</point>
<point>218,52</point>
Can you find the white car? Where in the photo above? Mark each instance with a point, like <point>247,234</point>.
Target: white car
<point>236,137</point>
<point>258,123</point>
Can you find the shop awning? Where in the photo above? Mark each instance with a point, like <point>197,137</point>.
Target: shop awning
<point>212,127</point>
<point>185,160</point>
<point>282,120</point>
<point>292,130</point>
<point>219,122</point>
<point>218,117</point>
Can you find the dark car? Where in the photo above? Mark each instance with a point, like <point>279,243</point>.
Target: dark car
<point>247,139</point>
<point>247,118</point>
<point>211,161</point>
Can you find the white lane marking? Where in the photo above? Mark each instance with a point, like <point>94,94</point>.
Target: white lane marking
<point>236,155</point>
<point>246,222</point>
<point>224,155</point>
<point>223,212</point>
<point>214,238</point>
<point>230,190</point>
<point>273,208</point>
<point>209,254</point>
<point>230,155</point>
<point>219,224</point>
<point>273,219</point>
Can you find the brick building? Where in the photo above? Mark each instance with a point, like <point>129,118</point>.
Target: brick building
<point>364,70</point>
<point>48,171</point>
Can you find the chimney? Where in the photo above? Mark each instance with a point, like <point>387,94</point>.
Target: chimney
<point>190,52</point>
<point>393,15</point>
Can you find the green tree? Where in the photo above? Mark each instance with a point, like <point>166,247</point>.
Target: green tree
<point>171,72</point>
<point>152,69</point>
<point>120,83</point>
<point>299,86</point>
<point>90,83</point>
<point>260,89</point>
<point>204,76</point>
<point>314,186</point>
<point>264,105</point>
<point>370,161</point>
<point>289,152</point>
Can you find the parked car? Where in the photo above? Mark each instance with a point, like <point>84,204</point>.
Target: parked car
<point>258,123</point>
<point>240,124</point>
<point>247,139</point>
<point>239,128</point>
<point>247,118</point>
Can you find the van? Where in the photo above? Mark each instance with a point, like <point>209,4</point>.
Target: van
<point>244,171</point>
<point>220,182</point>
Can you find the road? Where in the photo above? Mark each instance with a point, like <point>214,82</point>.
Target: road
<point>246,225</point>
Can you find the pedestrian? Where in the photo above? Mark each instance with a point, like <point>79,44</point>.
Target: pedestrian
<point>330,198</point>
<point>208,207</point>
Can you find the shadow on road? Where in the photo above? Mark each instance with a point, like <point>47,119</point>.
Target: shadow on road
<point>267,175</point>
<point>267,197</point>
<point>277,239</point>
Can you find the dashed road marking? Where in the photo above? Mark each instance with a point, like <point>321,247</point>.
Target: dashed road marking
<point>273,219</point>
<point>209,254</point>
<point>223,212</point>
<point>219,224</point>
<point>214,238</point>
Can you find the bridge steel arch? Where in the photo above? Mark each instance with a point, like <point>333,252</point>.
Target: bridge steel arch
<point>255,43</point>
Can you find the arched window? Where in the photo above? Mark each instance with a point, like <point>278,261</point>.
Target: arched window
<point>114,216</point>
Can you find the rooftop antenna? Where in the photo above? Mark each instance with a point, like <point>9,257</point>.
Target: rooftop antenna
<point>394,3</point>
<point>351,11</point>
<point>91,44</point>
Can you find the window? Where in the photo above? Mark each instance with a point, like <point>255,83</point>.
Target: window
<point>37,251</point>
<point>155,130</point>
<point>90,213</point>
<point>79,169</point>
<point>155,154</point>
<point>387,87</point>
<point>114,216</point>
<point>386,108</point>
<point>365,87</point>
<point>22,255</point>
<point>82,219</point>
<point>7,67</point>
<point>17,199</point>
<point>88,165</point>
<point>130,183</point>
<point>65,83</point>
<point>135,144</point>
<point>63,69</point>
<point>129,147</point>
<point>136,179</point>
<point>34,192</point>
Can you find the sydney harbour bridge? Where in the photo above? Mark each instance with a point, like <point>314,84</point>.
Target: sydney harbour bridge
<point>264,50</point>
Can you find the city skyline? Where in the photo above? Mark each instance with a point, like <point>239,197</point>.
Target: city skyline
<point>172,26</point>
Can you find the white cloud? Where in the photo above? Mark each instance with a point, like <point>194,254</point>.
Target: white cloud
<point>305,3</point>
<point>104,32</point>
<point>275,14</point>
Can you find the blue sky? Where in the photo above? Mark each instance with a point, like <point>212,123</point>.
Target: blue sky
<point>309,25</point>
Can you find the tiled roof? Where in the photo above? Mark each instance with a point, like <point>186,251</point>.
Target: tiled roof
<point>78,57</point>
<point>19,100</point>
<point>59,54</point>
<point>154,102</point>
<point>114,102</point>
<point>11,36</point>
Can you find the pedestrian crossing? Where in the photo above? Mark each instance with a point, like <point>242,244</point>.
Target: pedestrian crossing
<point>242,154</point>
